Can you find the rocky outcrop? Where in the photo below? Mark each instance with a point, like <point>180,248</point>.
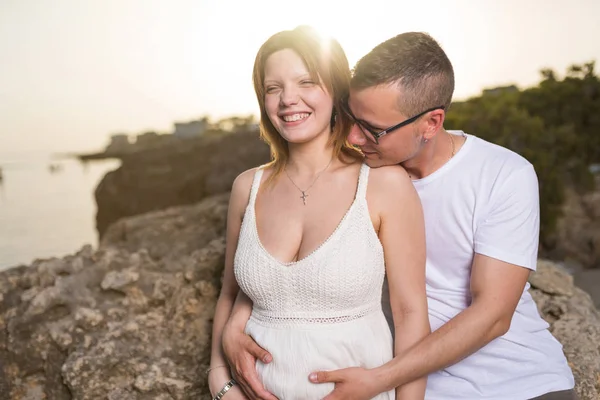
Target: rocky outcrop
<point>132,320</point>
<point>573,320</point>
<point>180,173</point>
<point>577,238</point>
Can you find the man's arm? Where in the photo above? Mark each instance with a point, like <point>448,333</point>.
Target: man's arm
<point>242,351</point>
<point>401,230</point>
<point>496,288</point>
<point>506,242</point>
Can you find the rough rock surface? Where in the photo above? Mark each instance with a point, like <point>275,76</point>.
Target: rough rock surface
<point>129,321</point>
<point>573,320</point>
<point>132,320</point>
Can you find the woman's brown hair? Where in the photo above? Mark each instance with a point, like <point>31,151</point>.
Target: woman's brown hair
<point>327,64</point>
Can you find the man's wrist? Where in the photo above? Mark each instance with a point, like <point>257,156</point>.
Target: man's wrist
<point>383,378</point>
<point>233,328</point>
<point>237,322</point>
<point>231,339</point>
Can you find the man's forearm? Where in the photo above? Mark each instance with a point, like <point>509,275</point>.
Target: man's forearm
<point>241,351</point>
<point>460,337</point>
<point>234,313</point>
<point>240,314</point>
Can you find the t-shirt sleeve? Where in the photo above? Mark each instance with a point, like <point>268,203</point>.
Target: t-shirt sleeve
<point>510,228</point>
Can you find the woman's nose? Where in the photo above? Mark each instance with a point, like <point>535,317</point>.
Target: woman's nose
<point>289,96</point>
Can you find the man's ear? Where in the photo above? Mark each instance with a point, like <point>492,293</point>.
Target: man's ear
<point>434,122</point>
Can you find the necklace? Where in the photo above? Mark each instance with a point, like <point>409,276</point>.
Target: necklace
<point>305,191</point>
<point>453,149</point>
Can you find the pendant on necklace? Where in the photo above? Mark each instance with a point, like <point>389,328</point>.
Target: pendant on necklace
<point>303,197</point>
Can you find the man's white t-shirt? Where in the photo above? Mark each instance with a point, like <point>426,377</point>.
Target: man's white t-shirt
<point>485,200</point>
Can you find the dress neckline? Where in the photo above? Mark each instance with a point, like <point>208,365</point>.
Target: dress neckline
<point>357,197</point>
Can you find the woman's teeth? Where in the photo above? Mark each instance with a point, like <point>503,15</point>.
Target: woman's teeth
<point>295,117</point>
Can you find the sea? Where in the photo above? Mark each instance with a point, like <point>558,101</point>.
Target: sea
<point>47,205</point>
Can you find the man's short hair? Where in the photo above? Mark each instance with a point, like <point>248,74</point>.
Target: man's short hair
<point>417,64</point>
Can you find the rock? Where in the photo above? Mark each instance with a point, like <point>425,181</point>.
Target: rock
<point>184,172</point>
<point>87,317</point>
<point>121,322</point>
<point>552,280</point>
<point>133,319</point>
<point>118,279</point>
<point>574,321</point>
<point>577,238</point>
<point>576,243</point>
<point>167,234</point>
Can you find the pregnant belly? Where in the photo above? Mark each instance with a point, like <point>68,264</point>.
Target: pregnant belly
<point>301,349</point>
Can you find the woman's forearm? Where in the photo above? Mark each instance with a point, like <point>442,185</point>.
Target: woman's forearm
<point>412,328</point>
<point>223,310</point>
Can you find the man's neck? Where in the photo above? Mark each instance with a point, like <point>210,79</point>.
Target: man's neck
<point>433,155</point>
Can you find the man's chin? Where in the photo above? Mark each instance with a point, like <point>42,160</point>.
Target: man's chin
<point>374,162</point>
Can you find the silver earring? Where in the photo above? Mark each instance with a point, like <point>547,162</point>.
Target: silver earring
<point>426,140</point>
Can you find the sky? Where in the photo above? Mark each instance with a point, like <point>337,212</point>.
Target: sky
<point>73,72</point>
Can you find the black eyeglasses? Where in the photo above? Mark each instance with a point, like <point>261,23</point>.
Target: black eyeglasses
<point>373,135</point>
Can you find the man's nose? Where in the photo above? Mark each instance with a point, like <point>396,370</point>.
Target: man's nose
<point>356,137</point>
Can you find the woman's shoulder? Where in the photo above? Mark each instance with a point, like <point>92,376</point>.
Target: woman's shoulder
<point>244,180</point>
<point>242,184</point>
<point>388,178</point>
<point>390,189</point>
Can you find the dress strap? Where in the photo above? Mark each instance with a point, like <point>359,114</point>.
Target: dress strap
<point>255,185</point>
<point>363,180</point>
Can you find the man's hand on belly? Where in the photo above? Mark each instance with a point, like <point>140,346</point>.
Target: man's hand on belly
<point>350,383</point>
<point>242,352</point>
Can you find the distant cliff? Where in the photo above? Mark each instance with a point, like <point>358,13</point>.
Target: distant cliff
<point>180,173</point>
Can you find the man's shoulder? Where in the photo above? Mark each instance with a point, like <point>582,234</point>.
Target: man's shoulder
<point>494,157</point>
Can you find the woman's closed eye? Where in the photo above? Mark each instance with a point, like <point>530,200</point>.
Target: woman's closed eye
<point>271,89</point>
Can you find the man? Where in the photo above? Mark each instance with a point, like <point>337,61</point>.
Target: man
<point>482,224</point>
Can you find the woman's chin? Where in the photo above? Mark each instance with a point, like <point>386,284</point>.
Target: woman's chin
<point>297,136</point>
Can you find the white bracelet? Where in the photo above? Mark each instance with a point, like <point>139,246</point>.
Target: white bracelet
<point>225,389</point>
